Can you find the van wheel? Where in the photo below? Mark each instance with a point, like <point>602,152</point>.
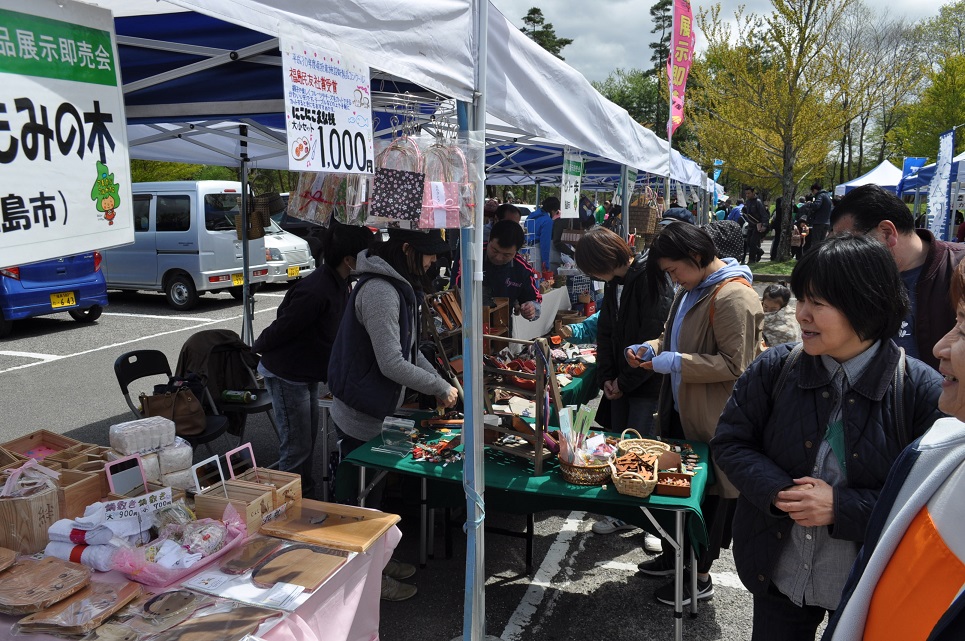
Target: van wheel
<point>5,326</point>
<point>88,315</point>
<point>181,293</point>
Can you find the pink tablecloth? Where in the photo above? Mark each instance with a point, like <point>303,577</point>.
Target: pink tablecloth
<point>346,608</point>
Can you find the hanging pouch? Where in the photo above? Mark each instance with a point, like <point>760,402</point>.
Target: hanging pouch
<point>440,197</point>
<point>397,192</point>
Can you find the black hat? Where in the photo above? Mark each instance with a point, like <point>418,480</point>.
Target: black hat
<point>424,241</point>
<point>674,214</point>
<point>727,238</point>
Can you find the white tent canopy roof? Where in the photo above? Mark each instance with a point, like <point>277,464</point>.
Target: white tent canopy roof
<point>885,175</point>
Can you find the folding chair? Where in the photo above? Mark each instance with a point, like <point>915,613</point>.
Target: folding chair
<point>144,363</point>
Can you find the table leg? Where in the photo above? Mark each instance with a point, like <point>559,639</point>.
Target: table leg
<point>431,539</point>
<point>678,609</point>
<point>363,491</point>
<point>693,582</point>
<point>530,536</point>
<point>423,511</point>
<point>323,424</point>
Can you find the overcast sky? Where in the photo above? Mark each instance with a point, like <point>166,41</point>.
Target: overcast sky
<point>615,33</point>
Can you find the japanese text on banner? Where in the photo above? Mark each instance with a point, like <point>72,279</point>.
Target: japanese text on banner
<point>63,140</point>
<point>328,111</point>
<point>572,179</point>
<point>679,61</point>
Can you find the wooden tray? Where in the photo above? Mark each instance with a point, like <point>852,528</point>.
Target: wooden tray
<point>232,625</point>
<point>299,564</point>
<point>31,586</point>
<point>345,527</point>
<point>83,611</point>
<point>251,553</point>
<point>7,557</point>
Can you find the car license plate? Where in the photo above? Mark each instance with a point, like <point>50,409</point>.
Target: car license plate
<point>237,279</point>
<point>63,299</point>
<point>293,271</point>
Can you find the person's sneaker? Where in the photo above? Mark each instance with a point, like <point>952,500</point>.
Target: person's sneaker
<point>393,590</point>
<point>705,591</point>
<point>662,565</point>
<point>609,525</point>
<point>652,544</point>
<point>398,570</point>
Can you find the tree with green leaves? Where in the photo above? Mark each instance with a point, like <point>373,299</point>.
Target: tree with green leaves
<point>543,33</point>
<point>939,108</point>
<point>637,91</point>
<point>768,96</point>
<point>661,12</point>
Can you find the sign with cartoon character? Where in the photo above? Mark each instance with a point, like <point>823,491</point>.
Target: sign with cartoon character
<point>66,185</point>
<point>328,111</point>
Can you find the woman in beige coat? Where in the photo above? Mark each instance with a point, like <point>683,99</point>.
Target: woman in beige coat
<point>711,336</point>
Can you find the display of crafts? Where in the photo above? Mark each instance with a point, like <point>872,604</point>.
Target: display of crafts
<point>641,463</point>
<point>688,457</point>
<point>442,450</point>
<point>579,446</point>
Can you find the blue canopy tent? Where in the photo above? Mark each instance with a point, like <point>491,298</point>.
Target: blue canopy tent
<point>885,175</point>
<point>924,176</point>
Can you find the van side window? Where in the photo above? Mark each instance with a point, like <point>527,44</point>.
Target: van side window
<point>142,211</point>
<point>220,211</point>
<point>173,213</point>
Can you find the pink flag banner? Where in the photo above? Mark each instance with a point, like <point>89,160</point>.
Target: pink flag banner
<point>679,61</point>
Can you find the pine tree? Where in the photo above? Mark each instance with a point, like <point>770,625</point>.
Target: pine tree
<point>543,33</point>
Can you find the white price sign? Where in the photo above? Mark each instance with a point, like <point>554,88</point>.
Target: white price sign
<point>126,508</point>
<point>328,111</point>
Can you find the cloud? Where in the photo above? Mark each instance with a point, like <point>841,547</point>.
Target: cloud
<point>616,33</point>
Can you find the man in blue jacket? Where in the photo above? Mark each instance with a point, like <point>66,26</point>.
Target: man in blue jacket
<point>539,229</point>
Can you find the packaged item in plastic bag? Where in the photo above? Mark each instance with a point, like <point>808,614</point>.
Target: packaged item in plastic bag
<point>82,612</point>
<point>31,585</point>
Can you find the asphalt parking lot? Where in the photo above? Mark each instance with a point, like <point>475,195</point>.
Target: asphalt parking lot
<point>57,374</point>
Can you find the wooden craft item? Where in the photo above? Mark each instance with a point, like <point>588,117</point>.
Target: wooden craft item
<point>114,632</point>
<point>83,611</point>
<point>31,586</point>
<point>442,314</point>
<point>299,564</point>
<point>145,625</point>
<point>169,603</point>
<point>250,554</point>
<point>7,557</point>
<point>455,306</point>
<point>232,625</point>
<point>345,527</point>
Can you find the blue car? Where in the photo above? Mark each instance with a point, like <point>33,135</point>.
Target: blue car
<point>73,284</point>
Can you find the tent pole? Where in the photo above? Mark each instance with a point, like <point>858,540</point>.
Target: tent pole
<point>474,479</point>
<point>247,301</point>
<point>626,191</point>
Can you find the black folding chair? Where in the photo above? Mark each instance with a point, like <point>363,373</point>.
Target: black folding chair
<point>144,363</point>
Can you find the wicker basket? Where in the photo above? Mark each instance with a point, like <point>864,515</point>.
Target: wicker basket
<point>644,444</point>
<point>633,484</point>
<point>585,474</point>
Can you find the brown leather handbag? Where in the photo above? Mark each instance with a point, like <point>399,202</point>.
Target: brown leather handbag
<point>181,406</point>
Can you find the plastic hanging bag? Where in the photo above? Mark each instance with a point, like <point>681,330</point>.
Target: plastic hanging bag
<point>441,197</point>
<point>314,198</point>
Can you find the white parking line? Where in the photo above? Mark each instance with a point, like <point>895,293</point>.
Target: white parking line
<point>723,579</point>
<point>260,294</point>
<point>42,357</point>
<point>200,319</point>
<point>549,568</point>
<point>130,342</point>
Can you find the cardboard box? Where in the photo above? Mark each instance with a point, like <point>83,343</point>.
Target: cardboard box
<point>24,521</point>
<point>253,501</point>
<point>38,445</point>
<point>286,486</point>
<point>76,491</point>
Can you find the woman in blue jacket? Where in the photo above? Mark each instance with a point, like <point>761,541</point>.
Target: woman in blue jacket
<point>810,432</point>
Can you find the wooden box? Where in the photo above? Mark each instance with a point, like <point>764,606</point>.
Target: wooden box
<point>663,489</point>
<point>253,501</point>
<point>7,459</point>
<point>38,445</point>
<point>286,486</point>
<point>70,457</point>
<point>24,521</point>
<point>76,491</point>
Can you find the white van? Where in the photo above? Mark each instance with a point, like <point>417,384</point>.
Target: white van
<point>185,243</point>
<point>289,257</point>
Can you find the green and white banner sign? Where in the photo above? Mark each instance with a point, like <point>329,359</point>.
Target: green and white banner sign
<point>63,136</point>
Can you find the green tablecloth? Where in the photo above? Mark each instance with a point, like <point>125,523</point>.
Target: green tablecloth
<point>511,487</point>
<point>582,390</point>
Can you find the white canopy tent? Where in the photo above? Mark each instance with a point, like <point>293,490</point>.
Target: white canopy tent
<point>884,175</point>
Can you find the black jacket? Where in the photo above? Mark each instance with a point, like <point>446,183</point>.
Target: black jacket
<point>638,318</point>
<point>763,443</point>
<point>934,315</point>
<point>298,344</point>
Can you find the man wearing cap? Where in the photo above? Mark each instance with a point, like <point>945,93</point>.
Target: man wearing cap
<point>505,273</point>
<point>677,214</point>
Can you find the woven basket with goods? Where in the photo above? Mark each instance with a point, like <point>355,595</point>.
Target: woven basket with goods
<point>585,474</point>
<point>639,443</point>
<point>635,473</point>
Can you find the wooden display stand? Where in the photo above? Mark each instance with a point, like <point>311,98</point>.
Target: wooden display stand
<point>534,450</point>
